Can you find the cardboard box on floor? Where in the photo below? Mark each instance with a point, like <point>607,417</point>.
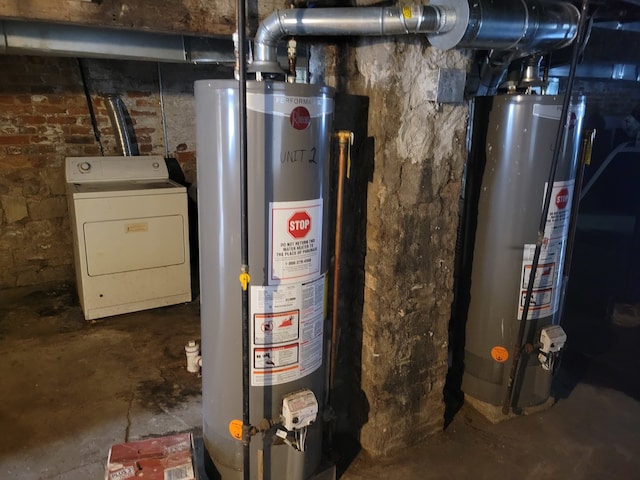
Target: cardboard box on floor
<point>162,458</point>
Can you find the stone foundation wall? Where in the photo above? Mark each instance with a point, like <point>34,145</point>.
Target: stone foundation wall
<point>411,224</point>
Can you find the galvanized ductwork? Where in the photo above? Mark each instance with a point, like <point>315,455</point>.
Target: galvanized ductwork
<point>523,26</point>
<point>39,38</point>
<point>520,27</point>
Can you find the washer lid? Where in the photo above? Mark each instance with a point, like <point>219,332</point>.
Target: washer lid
<point>129,188</point>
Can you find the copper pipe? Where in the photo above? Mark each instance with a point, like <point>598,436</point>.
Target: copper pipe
<point>344,140</point>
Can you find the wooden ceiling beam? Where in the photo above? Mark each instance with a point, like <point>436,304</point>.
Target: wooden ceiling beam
<point>187,17</point>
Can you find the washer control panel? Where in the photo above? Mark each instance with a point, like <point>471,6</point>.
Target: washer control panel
<point>109,169</point>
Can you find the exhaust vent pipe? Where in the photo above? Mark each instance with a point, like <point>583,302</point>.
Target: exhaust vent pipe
<point>522,27</point>
<point>348,21</point>
<point>125,138</point>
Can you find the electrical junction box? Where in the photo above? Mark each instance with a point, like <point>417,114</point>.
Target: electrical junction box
<point>445,85</point>
<point>299,409</point>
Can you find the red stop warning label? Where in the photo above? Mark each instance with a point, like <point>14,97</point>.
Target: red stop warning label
<point>562,199</point>
<point>299,224</point>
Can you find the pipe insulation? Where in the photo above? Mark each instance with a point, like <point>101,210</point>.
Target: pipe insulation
<point>523,27</point>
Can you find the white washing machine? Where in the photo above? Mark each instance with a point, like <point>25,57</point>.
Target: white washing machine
<point>130,234</point>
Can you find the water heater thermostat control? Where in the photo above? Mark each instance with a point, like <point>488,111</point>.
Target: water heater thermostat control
<point>299,409</point>
<point>552,339</point>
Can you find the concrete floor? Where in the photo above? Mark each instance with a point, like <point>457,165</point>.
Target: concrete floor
<point>72,388</point>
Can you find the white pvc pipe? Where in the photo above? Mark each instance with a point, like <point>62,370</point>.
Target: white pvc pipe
<point>194,359</point>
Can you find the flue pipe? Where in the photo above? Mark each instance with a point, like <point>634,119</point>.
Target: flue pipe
<point>352,21</point>
<point>521,27</point>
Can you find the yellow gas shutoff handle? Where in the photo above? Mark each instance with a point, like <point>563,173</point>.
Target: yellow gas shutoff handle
<point>245,278</point>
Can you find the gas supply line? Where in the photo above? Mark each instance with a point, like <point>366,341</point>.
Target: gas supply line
<point>345,140</point>
<point>244,277</point>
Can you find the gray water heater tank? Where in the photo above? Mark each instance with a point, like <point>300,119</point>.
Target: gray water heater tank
<point>512,152</point>
<point>288,129</point>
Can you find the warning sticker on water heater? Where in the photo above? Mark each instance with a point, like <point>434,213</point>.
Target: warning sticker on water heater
<point>545,295</point>
<point>542,301</point>
<point>559,210</point>
<point>295,241</point>
<point>286,331</point>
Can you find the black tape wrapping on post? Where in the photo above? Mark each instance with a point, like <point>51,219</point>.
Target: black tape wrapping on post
<point>516,363</point>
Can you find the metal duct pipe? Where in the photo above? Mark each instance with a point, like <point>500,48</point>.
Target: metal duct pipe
<point>36,38</point>
<point>117,113</point>
<point>345,21</point>
<point>512,29</point>
<point>525,26</point>
<point>522,27</point>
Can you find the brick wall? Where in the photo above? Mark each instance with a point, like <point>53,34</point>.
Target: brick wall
<point>44,117</point>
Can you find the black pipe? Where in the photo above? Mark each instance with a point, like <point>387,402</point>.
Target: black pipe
<point>244,231</point>
<point>516,363</point>
<point>585,159</point>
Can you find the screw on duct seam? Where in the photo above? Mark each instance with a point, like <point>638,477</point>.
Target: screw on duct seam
<point>194,359</point>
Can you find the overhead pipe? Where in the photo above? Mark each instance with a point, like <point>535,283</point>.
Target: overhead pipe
<point>352,21</point>
<point>521,27</point>
<point>41,38</point>
<point>511,30</point>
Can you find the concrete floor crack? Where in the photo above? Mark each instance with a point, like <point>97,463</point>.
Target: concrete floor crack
<point>128,429</point>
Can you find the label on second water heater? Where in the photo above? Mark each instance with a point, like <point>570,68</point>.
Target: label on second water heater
<point>545,298</point>
<point>295,241</point>
<point>287,323</point>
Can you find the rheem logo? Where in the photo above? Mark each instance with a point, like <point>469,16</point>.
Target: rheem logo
<point>299,224</point>
<point>300,118</point>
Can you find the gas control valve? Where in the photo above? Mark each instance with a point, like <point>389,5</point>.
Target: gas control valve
<point>552,339</point>
<point>299,409</point>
